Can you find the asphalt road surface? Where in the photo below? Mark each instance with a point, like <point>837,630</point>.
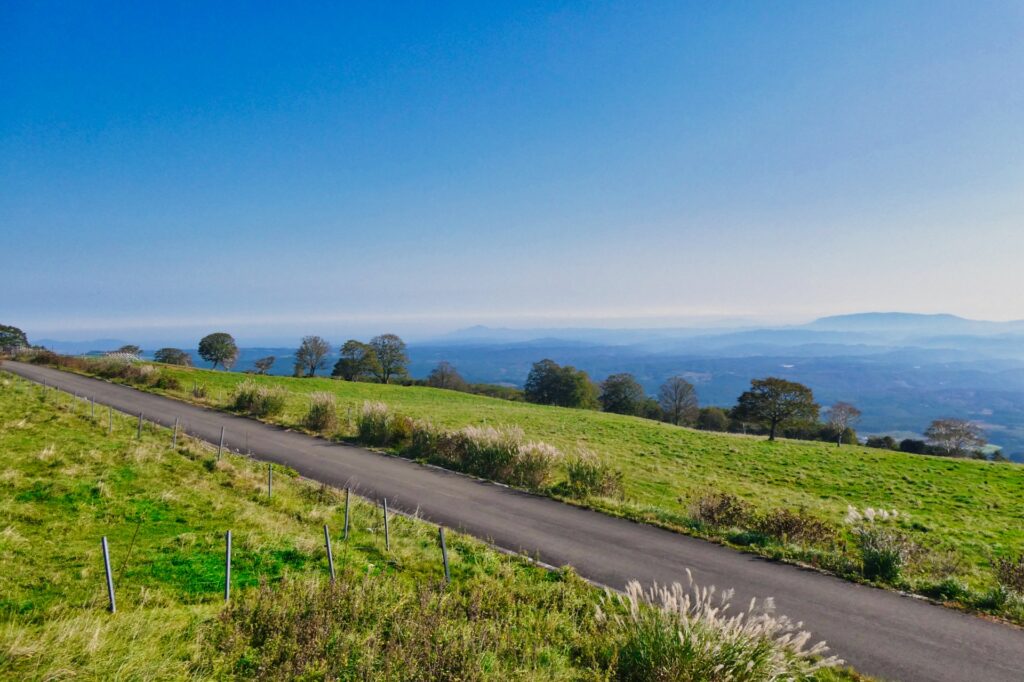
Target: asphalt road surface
<point>880,633</point>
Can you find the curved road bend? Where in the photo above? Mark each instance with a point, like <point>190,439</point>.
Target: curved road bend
<point>878,632</point>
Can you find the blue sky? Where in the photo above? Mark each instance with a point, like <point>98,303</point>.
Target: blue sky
<point>344,169</point>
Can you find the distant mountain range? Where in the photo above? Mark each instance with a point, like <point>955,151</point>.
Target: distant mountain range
<point>901,369</point>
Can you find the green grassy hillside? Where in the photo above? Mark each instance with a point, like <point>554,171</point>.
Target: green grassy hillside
<point>955,515</point>
<point>66,483</point>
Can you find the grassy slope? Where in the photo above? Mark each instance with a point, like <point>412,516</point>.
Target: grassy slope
<point>968,506</point>
<point>66,483</point>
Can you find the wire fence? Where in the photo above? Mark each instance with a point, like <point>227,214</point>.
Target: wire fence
<point>213,563</point>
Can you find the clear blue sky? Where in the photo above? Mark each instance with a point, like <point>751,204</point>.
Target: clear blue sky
<point>277,169</point>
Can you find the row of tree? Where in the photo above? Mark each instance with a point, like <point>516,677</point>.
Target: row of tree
<point>771,406</point>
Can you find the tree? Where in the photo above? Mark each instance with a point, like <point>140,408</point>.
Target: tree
<point>311,355</point>
<point>219,348</point>
<point>391,357</point>
<point>678,400</point>
<point>915,446</point>
<point>651,409</point>
<point>955,437</point>
<point>12,338</point>
<point>621,394</point>
<point>130,349</point>
<point>841,417</point>
<point>551,384</point>
<point>775,403</point>
<point>263,365</point>
<point>358,362</point>
<point>882,443</point>
<point>446,376</point>
<point>173,356</point>
<point>712,419</point>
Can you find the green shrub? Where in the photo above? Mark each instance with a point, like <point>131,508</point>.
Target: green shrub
<point>323,413</point>
<point>588,476</point>
<point>259,400</point>
<point>167,383</point>
<point>948,589</point>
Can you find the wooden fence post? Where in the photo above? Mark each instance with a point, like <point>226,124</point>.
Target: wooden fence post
<point>110,420</point>
<point>174,436</point>
<point>348,496</point>
<point>138,433</point>
<point>444,555</point>
<point>110,577</point>
<point>220,448</point>
<point>330,554</point>
<point>387,534</point>
<point>270,479</point>
<point>227,566</point>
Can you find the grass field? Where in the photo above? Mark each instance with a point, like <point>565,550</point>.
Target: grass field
<point>961,512</point>
<point>66,483</point>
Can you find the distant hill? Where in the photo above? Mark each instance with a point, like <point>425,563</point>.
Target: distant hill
<point>914,324</point>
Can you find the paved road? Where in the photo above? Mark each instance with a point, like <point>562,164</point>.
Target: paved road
<point>878,632</point>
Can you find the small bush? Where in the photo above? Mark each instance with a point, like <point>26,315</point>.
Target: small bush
<point>948,589</point>
<point>167,383</point>
<point>257,400</point>
<point>43,357</point>
<point>796,526</point>
<point>199,391</point>
<point>721,510</point>
<point>994,599</point>
<point>323,414</point>
<point>1010,573</point>
<point>883,553</point>
<point>587,476</point>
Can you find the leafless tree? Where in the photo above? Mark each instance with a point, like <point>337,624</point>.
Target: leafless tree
<point>311,355</point>
<point>446,376</point>
<point>263,365</point>
<point>955,437</point>
<point>678,400</point>
<point>842,416</point>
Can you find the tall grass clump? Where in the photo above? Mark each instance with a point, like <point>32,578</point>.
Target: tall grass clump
<point>884,552</point>
<point>322,415</point>
<point>377,425</point>
<point>587,476</point>
<point>259,400</point>
<point>688,633</point>
<point>490,452</point>
<point>499,453</point>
